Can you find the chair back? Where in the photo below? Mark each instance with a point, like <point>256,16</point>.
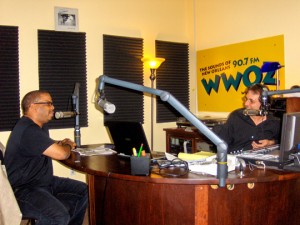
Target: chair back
<point>9,209</point>
<point>2,150</point>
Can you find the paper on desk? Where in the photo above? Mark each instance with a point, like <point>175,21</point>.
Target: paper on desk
<point>99,150</point>
<point>195,156</point>
<point>170,156</point>
<point>210,165</point>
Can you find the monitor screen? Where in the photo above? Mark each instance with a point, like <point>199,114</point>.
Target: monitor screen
<point>290,134</point>
<point>127,135</point>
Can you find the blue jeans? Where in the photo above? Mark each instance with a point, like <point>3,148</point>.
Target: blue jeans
<point>62,203</point>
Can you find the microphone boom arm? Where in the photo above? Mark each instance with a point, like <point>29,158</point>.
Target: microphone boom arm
<point>279,92</point>
<point>222,168</point>
<point>266,93</point>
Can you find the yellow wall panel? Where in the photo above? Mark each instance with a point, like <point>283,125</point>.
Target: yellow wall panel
<point>224,72</point>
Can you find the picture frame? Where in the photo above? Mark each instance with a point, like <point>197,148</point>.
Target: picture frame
<point>66,19</point>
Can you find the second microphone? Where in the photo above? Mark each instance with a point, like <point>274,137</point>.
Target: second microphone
<point>62,115</point>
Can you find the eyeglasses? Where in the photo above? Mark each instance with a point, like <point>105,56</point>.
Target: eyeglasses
<point>44,103</point>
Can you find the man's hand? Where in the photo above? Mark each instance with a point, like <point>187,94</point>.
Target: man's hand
<point>262,143</point>
<point>67,142</point>
<point>60,150</point>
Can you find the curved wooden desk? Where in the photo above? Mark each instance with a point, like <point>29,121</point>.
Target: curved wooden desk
<point>116,197</point>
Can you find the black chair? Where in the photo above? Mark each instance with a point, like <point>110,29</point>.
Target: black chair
<point>29,221</point>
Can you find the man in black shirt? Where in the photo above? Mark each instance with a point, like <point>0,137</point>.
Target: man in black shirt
<point>244,132</point>
<point>28,160</point>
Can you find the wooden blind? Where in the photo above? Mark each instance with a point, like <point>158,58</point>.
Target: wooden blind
<point>172,76</point>
<point>122,60</point>
<point>62,63</point>
<point>9,77</point>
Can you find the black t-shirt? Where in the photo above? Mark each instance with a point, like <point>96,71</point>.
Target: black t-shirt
<point>24,160</point>
<point>239,130</point>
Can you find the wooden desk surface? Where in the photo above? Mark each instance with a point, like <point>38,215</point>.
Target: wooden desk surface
<point>116,197</point>
<point>118,167</point>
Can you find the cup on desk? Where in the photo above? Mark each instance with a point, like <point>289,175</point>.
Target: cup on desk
<point>140,165</point>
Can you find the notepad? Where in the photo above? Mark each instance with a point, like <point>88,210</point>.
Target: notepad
<point>195,156</point>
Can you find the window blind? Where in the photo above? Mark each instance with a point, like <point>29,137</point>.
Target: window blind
<point>172,76</point>
<point>62,64</point>
<point>9,77</point>
<point>122,60</point>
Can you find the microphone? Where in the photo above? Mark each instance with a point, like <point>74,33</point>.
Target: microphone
<point>254,112</point>
<point>62,115</point>
<point>106,105</point>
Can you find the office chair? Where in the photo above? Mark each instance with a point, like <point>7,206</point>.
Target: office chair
<point>9,208</point>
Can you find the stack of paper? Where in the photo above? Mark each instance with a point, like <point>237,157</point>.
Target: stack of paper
<point>209,166</point>
<point>100,150</point>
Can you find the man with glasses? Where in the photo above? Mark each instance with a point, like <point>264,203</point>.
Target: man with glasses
<point>28,160</point>
<point>245,132</point>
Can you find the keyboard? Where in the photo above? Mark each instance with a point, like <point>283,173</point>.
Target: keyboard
<point>292,167</point>
<point>270,152</point>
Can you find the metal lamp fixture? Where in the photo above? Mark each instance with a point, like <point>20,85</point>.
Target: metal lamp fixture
<point>153,64</point>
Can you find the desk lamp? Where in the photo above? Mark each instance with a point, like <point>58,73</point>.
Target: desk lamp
<point>222,168</point>
<point>153,64</point>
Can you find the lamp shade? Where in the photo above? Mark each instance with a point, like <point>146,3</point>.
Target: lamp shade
<point>153,63</point>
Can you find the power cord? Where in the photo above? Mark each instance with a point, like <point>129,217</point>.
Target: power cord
<point>296,159</point>
<point>258,165</point>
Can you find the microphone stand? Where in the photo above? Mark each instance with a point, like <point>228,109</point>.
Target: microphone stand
<point>75,98</point>
<point>222,168</point>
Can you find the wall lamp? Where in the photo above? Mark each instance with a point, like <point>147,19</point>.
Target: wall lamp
<point>153,64</point>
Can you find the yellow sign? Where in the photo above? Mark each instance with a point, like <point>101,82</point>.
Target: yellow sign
<point>223,73</point>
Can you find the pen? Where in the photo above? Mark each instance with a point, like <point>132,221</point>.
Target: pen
<point>141,148</point>
<point>134,151</point>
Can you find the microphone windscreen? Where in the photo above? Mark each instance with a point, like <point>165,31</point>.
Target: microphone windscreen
<point>107,106</point>
<point>58,115</point>
<point>252,112</point>
<point>61,115</point>
<point>110,108</point>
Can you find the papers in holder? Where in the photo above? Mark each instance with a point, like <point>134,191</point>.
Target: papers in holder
<point>99,150</point>
<point>209,165</point>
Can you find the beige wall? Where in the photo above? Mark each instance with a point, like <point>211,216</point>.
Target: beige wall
<point>232,21</point>
<point>201,23</point>
<point>169,20</point>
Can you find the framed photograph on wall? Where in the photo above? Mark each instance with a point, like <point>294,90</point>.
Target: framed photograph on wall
<point>66,19</point>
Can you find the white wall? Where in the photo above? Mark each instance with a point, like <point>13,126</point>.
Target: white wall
<point>168,20</point>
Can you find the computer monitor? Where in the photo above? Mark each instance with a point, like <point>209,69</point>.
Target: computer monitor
<point>127,135</point>
<point>290,135</point>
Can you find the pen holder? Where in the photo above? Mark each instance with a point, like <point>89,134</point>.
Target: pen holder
<point>140,165</point>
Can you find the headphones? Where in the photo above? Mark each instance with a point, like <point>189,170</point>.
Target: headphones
<point>260,88</point>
